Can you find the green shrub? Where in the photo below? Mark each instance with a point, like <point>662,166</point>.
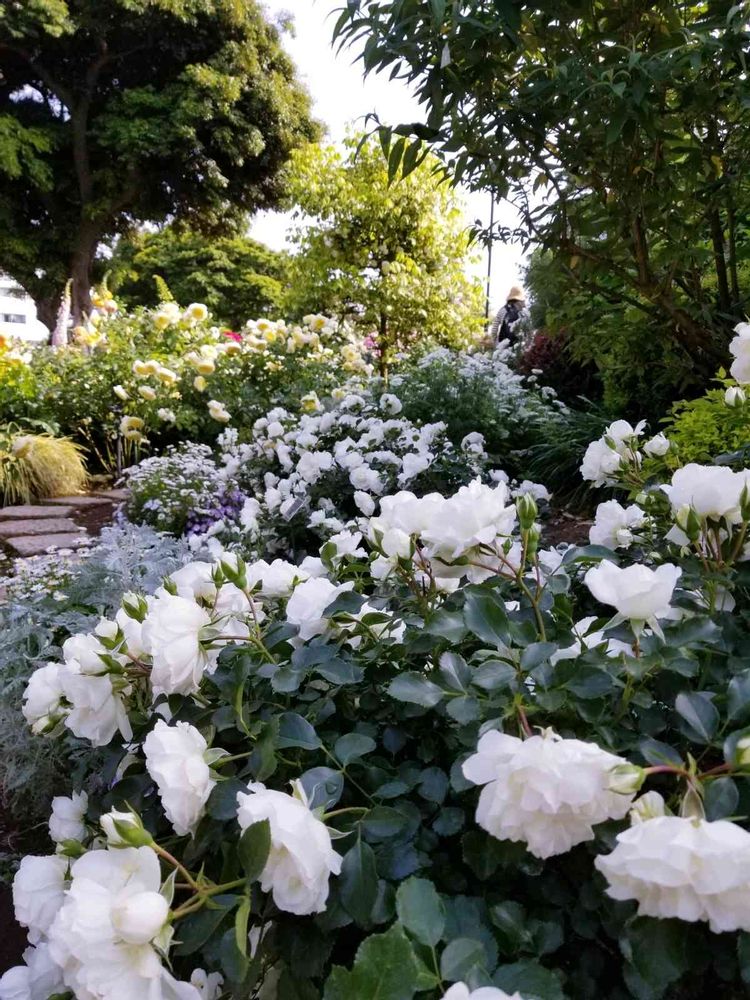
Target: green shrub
<point>705,427</point>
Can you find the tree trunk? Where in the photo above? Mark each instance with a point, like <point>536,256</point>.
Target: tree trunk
<point>720,262</point>
<point>46,309</point>
<point>80,274</point>
<point>382,343</point>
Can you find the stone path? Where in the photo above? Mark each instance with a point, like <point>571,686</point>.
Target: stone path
<point>33,529</point>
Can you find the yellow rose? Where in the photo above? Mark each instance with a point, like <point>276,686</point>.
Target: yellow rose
<point>200,383</point>
<point>146,392</point>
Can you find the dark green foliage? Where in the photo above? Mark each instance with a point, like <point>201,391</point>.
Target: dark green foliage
<point>236,277</point>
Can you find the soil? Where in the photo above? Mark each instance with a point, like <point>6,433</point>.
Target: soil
<point>563,527</point>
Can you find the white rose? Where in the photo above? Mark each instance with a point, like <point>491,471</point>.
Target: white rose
<point>208,984</point>
<point>38,979</point>
<point>544,791</point>
<point>38,892</point>
<point>347,546</point>
<point>301,859</point>
<point>390,404</point>
<point>600,463</point>
<point>740,350</point>
<point>658,446</point>
<point>476,515</point>
<point>276,579</point>
<point>175,760</point>
<point>685,868</point>
<point>66,821</point>
<point>172,635</point>
<point>43,698</point>
<point>711,490</point>
<point>624,434</point>
<point>365,503</point>
<point>413,464</point>
<point>116,817</point>
<point>15,984</point>
<point>85,651</point>
<point>308,603</point>
<point>613,525</point>
<point>98,710</point>
<point>460,991</point>
<point>99,936</point>
<point>735,397</point>
<point>365,478</point>
<point>636,592</point>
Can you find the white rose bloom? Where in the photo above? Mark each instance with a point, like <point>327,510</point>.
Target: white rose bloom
<point>590,640</point>
<point>475,515</point>
<point>132,630</point>
<point>249,516</point>
<point>600,463</point>
<point>38,979</point>
<point>312,566</point>
<point>175,760</point>
<point>43,698</point>
<point>685,868</point>
<point>116,817</point>
<point>413,464</point>
<point>38,892</point>
<point>735,396</point>
<point>623,433</point>
<point>366,478</point>
<point>276,579</point>
<point>658,446</point>
<point>172,635</point>
<point>390,404</point>
<point>365,503</point>
<point>545,791</point>
<point>614,524</point>
<point>740,350</point>
<point>98,711</point>
<point>347,545</point>
<point>208,984</point>
<point>636,592</point>
<point>102,936</point>
<point>308,603</point>
<point>302,859</point>
<point>711,490</point>
<point>460,991</point>
<point>66,821</point>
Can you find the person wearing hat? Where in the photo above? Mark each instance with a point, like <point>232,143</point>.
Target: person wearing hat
<point>507,318</point>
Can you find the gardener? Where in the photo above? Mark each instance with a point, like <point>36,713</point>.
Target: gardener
<point>505,324</point>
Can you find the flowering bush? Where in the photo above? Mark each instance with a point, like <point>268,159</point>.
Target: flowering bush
<point>154,377</point>
<point>479,393</point>
<point>440,761</point>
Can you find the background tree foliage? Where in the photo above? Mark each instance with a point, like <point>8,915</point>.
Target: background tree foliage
<point>236,277</point>
<point>621,131</point>
<point>391,257</point>
<point>117,111</point>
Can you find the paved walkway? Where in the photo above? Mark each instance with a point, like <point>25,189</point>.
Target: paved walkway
<point>33,529</point>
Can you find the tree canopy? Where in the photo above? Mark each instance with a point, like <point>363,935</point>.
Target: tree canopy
<point>621,132</point>
<point>390,257</point>
<point>114,112</point>
<point>236,277</point>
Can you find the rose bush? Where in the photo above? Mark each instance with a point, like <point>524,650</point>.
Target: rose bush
<point>438,760</point>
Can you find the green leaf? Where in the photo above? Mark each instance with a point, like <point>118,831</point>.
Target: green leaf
<point>254,848</point>
<point>658,950</point>
<point>658,753</point>
<point>743,957</point>
<point>358,882</point>
<point>738,696</point>
<point>222,802</point>
<point>510,919</point>
<point>323,787</point>
<point>353,746</point>
<point>385,968</point>
<point>447,625</point>
<point>486,617</point>
<point>699,714</point>
<point>493,674</point>
<point>193,932</point>
<point>463,710</point>
<point>421,910</point>
<point>383,822</point>
<point>241,918</point>
<point>530,979</point>
<point>721,798</point>
<point>416,689</point>
<point>340,671</point>
<point>294,731</point>
<point>438,12</point>
<point>460,958</point>
<point>455,672</point>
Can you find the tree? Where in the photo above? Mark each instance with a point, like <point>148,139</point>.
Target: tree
<point>235,276</point>
<point>119,111</point>
<point>390,258</point>
<point>621,132</point>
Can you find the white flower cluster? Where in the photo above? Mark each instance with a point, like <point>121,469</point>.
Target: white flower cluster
<point>619,448</point>
<point>326,466</point>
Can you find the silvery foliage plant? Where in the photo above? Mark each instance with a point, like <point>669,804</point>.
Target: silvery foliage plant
<point>437,760</point>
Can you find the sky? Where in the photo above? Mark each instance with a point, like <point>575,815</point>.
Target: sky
<point>343,97</point>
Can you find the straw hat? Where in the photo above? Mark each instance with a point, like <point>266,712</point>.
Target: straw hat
<point>516,294</point>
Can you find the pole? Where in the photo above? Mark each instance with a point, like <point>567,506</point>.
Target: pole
<point>489,257</point>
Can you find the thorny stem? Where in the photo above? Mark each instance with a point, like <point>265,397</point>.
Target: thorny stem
<point>172,860</point>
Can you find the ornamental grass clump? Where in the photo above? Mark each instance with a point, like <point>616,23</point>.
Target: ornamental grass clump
<point>38,466</point>
<point>438,760</point>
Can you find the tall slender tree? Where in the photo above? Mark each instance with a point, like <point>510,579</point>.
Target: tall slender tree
<point>114,112</point>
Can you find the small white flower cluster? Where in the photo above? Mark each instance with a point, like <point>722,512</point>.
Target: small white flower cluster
<point>617,450</point>
<point>326,466</point>
<point>740,351</point>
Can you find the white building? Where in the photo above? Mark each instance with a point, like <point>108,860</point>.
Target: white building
<point>18,313</point>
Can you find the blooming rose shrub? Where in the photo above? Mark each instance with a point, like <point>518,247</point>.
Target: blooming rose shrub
<point>479,392</point>
<point>442,760</point>
<point>156,377</point>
